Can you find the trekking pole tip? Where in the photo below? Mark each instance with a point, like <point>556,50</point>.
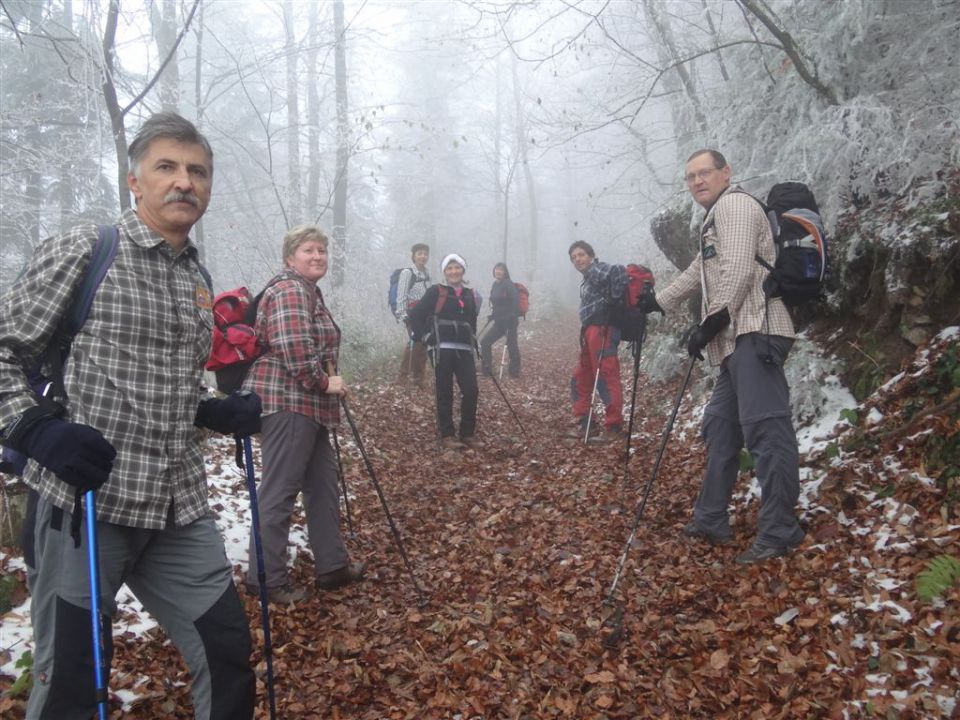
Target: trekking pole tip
<point>611,640</point>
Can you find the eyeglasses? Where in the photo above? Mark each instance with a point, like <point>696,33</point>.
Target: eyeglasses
<point>691,178</point>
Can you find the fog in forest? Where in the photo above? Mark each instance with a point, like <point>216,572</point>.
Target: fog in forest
<point>502,131</point>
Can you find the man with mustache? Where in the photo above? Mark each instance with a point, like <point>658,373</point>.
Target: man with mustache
<point>131,431</point>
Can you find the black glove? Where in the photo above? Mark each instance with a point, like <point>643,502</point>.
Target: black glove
<point>236,414</point>
<point>77,454</point>
<point>706,331</point>
<point>648,303</point>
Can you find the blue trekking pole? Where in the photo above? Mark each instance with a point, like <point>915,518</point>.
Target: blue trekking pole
<point>261,571</point>
<point>94,564</point>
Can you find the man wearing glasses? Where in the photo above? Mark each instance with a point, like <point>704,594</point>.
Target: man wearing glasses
<point>748,337</point>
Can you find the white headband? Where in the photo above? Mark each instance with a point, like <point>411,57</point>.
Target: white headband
<point>453,257</point>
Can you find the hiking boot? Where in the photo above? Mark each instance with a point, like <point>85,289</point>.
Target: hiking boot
<point>692,530</point>
<point>580,430</point>
<point>351,572</point>
<point>283,595</point>
<point>614,433</point>
<point>473,442</point>
<point>758,553</point>
<point>451,443</point>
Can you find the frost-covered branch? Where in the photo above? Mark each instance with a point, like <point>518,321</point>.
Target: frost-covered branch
<point>793,52</point>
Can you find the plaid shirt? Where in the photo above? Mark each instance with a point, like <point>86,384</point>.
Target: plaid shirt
<point>133,373</point>
<point>734,230</point>
<point>602,284</point>
<point>301,338</point>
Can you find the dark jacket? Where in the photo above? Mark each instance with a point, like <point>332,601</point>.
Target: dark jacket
<point>457,316</point>
<point>504,301</point>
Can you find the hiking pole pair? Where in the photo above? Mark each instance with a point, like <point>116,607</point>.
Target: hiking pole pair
<point>261,569</point>
<point>421,601</point>
<point>616,620</point>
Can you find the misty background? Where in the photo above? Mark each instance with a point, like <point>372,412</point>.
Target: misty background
<point>502,131</point>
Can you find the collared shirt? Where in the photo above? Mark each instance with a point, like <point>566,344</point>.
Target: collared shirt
<point>133,373</point>
<point>733,232</point>
<point>411,286</point>
<point>301,338</point>
<point>602,284</point>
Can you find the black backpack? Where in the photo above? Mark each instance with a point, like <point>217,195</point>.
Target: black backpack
<point>801,270</point>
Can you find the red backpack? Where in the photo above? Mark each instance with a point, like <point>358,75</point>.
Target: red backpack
<point>523,299</point>
<point>235,343</point>
<point>626,314</point>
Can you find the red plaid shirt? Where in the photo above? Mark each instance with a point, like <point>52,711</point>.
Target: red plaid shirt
<point>301,338</point>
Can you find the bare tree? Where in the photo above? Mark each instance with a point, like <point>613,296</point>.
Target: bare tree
<point>790,47</point>
<point>524,157</point>
<point>294,203</point>
<point>165,34</point>
<point>343,145</point>
<point>313,113</point>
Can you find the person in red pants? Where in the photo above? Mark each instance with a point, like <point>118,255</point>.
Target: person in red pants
<point>603,285</point>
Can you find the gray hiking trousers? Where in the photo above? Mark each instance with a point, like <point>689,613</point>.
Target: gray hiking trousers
<point>751,405</point>
<point>182,577</point>
<point>297,457</point>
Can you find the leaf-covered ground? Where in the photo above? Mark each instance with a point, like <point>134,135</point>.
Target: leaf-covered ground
<point>516,546</point>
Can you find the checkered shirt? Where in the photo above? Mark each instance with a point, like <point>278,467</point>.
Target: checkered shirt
<point>134,371</point>
<point>410,289</point>
<point>734,230</point>
<point>301,338</point>
<point>603,284</point>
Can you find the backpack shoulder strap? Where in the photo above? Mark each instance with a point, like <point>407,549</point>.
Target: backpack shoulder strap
<point>101,258</point>
<point>205,274</point>
<point>441,299</point>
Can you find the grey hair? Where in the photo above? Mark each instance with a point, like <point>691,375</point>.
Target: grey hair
<point>297,236</point>
<point>165,125</point>
<point>719,161</point>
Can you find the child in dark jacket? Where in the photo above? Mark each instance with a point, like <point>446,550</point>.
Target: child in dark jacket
<point>446,320</point>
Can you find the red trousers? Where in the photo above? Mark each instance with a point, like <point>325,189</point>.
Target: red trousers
<point>598,342</point>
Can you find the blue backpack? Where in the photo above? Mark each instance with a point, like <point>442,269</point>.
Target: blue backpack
<point>392,291</point>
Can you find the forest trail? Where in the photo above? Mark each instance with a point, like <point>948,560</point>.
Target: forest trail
<point>517,545</point>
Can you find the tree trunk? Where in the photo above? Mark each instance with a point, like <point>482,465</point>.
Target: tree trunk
<point>65,169</point>
<point>294,201</point>
<point>716,39</point>
<point>497,160</point>
<point>113,106</point>
<point>343,147</point>
<point>198,234</point>
<point>669,51</point>
<point>533,226</point>
<point>165,34</point>
<point>313,116</point>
